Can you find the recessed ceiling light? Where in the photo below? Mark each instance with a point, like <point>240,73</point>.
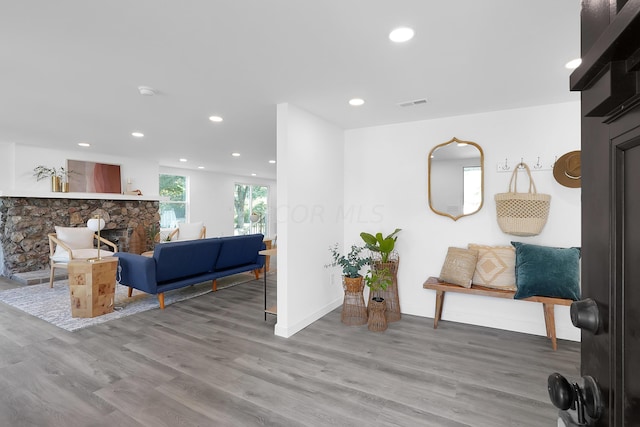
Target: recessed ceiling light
<point>573,64</point>
<point>401,34</point>
<point>200,167</point>
<point>183,160</point>
<point>216,119</point>
<point>84,144</point>
<point>253,174</point>
<point>356,102</point>
<point>137,134</point>
<point>235,154</point>
<point>272,161</point>
<point>146,91</point>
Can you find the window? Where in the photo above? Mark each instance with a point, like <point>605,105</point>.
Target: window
<point>472,195</point>
<point>175,210</point>
<point>251,209</point>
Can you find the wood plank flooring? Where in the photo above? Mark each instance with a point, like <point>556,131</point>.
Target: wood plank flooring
<point>214,361</point>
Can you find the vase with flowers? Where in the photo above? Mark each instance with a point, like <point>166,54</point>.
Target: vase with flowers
<point>59,177</point>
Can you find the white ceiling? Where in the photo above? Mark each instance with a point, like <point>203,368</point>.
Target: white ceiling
<point>69,70</point>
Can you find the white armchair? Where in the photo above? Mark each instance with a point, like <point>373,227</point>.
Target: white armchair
<point>71,243</point>
<point>188,231</point>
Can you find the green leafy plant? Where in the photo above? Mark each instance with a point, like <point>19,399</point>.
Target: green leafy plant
<point>382,245</point>
<point>351,263</point>
<point>378,280</point>
<point>41,172</point>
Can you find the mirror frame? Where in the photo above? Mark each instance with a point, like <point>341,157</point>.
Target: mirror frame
<point>457,141</point>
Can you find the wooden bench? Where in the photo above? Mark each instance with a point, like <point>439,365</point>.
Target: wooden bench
<point>548,303</point>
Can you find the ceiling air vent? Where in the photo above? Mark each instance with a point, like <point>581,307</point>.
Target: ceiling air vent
<point>412,103</point>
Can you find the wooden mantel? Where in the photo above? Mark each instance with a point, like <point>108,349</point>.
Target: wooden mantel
<point>79,196</point>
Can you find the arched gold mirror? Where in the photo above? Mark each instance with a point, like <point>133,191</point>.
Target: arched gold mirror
<point>456,178</point>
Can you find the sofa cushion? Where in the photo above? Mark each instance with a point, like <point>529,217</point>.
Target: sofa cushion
<point>63,256</point>
<point>239,250</point>
<point>176,260</point>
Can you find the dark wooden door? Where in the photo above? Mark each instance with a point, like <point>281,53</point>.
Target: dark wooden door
<point>609,81</point>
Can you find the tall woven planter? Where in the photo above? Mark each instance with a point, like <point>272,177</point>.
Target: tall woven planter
<point>390,295</point>
<point>377,319</point>
<point>354,311</point>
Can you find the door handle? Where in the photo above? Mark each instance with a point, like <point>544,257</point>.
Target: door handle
<point>586,315</point>
<point>582,403</point>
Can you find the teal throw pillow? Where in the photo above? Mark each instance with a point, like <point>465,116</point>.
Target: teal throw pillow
<point>547,272</point>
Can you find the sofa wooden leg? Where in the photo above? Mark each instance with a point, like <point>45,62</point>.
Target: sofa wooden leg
<point>130,292</point>
<point>214,286</point>
<point>257,273</point>
<point>161,300</point>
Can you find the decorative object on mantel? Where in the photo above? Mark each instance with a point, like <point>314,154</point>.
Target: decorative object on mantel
<point>59,177</point>
<point>92,177</point>
<point>354,311</point>
<point>567,171</point>
<point>522,214</point>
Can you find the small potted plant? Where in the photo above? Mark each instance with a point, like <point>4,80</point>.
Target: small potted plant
<point>377,281</point>
<point>354,311</point>
<point>384,257</point>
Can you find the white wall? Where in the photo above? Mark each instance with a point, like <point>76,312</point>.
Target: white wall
<point>388,176</point>
<point>310,191</point>
<point>23,158</point>
<point>211,198</point>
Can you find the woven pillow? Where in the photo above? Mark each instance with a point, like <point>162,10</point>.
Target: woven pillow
<point>459,266</point>
<point>496,266</point>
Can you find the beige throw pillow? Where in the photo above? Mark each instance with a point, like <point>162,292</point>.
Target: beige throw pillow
<point>459,266</point>
<point>496,266</point>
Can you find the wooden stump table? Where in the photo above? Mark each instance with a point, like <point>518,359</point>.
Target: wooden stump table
<point>92,286</point>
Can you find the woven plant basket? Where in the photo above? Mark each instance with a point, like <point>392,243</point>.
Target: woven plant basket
<point>390,295</point>
<point>522,214</point>
<point>377,320</point>
<point>354,311</point>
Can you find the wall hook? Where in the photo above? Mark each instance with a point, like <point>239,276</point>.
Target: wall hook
<point>538,165</point>
<point>506,166</point>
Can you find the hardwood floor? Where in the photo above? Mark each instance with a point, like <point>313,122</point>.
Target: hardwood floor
<point>214,361</point>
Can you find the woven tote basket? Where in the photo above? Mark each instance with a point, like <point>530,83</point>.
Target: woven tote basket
<point>522,214</point>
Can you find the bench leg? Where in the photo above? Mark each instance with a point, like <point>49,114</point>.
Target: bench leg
<point>130,292</point>
<point>257,273</point>
<point>439,303</point>
<point>214,286</point>
<point>550,323</point>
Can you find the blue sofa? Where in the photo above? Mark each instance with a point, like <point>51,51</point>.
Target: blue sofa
<point>183,263</point>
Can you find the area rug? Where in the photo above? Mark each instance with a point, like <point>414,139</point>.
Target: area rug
<point>53,304</point>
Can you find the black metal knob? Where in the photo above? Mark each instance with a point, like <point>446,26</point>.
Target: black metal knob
<point>585,315</point>
<point>561,392</point>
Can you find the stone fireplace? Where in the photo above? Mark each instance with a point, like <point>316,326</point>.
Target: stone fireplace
<point>26,221</point>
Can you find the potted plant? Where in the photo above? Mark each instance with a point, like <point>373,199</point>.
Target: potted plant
<point>381,245</point>
<point>377,281</point>
<point>59,177</point>
<point>354,311</point>
<point>385,258</point>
